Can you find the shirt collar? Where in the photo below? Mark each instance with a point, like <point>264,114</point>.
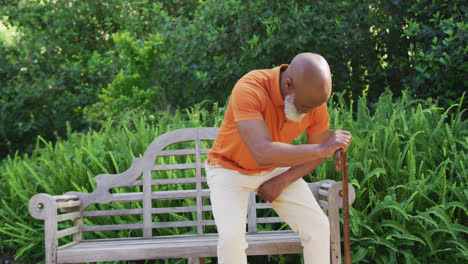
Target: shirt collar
<point>275,86</point>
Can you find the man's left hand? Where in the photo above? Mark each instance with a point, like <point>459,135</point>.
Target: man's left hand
<point>271,189</point>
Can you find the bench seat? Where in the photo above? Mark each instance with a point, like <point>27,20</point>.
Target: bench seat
<point>182,246</point>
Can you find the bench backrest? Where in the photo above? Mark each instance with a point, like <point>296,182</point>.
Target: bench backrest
<point>161,176</point>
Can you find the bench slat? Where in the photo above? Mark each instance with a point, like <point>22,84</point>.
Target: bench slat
<point>68,204</point>
<point>109,242</point>
<point>262,206</point>
<point>179,194</point>
<point>267,220</point>
<point>183,224</point>
<point>181,152</point>
<point>263,243</point>
<point>74,243</point>
<point>112,227</point>
<point>68,231</point>
<point>185,209</point>
<point>126,197</point>
<point>140,226</point>
<point>161,195</point>
<point>181,166</point>
<point>113,212</point>
<point>323,192</point>
<point>169,181</point>
<point>65,197</point>
<point>69,216</point>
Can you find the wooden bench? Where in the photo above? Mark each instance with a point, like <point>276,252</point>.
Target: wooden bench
<point>75,210</point>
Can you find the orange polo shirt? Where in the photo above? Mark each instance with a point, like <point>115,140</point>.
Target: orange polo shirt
<point>257,96</point>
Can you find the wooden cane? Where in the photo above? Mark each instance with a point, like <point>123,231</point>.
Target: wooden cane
<point>341,164</point>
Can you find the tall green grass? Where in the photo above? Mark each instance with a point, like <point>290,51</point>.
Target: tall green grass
<point>409,166</point>
<point>407,161</point>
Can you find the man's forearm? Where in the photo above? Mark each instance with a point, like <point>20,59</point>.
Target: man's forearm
<point>296,172</point>
<point>277,154</point>
<point>305,168</point>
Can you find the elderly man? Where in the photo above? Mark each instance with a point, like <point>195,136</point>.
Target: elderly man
<point>252,152</point>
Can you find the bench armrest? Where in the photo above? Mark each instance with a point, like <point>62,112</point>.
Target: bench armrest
<point>329,191</point>
<point>44,206</point>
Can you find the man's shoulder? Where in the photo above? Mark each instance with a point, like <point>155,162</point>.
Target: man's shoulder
<point>258,75</point>
<point>254,80</point>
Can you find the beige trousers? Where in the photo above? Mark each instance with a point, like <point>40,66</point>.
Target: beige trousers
<point>296,205</point>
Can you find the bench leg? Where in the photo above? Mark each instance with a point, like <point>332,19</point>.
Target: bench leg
<point>196,261</point>
<point>334,218</point>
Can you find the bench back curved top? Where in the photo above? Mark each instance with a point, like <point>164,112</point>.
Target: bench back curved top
<point>147,163</point>
<point>176,136</point>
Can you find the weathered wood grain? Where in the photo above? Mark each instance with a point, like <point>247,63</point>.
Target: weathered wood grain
<point>171,181</point>
<point>184,209</point>
<point>68,216</point>
<point>65,197</point>
<point>147,205</point>
<point>78,236</point>
<point>252,214</point>
<point>44,206</point>
<point>181,166</point>
<point>199,187</point>
<point>267,220</point>
<point>280,242</point>
<point>68,231</point>
<point>113,212</point>
<point>111,227</point>
<point>335,202</point>
<point>181,152</point>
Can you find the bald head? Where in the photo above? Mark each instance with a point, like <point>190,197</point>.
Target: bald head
<point>308,77</point>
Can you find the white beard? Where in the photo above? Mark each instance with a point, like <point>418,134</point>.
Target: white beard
<point>290,110</point>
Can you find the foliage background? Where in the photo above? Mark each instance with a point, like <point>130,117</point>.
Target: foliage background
<point>411,202</point>
<point>70,69</point>
<point>83,61</point>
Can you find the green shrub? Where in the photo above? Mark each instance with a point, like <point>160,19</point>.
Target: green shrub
<point>371,43</point>
<point>81,61</point>
<point>53,70</point>
<point>438,67</point>
<point>407,162</point>
<point>192,59</point>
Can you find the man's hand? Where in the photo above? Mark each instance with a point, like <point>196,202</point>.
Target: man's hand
<point>339,139</point>
<point>271,189</point>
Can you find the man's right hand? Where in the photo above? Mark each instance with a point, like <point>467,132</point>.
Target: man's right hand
<point>339,139</point>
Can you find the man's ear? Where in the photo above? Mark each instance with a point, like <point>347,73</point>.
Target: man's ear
<point>289,86</point>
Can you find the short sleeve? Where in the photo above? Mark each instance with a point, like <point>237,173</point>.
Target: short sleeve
<point>248,102</point>
<point>320,120</point>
